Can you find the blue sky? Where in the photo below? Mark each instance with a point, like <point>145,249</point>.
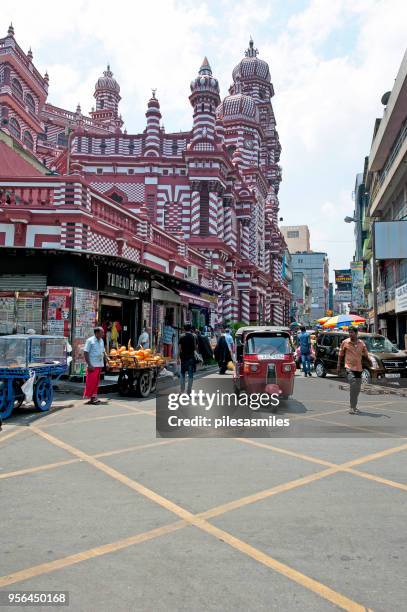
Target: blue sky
<point>330,61</point>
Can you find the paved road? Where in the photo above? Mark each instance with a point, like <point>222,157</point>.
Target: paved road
<point>95,504</point>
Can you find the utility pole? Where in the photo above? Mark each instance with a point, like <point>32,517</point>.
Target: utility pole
<point>374,280</point>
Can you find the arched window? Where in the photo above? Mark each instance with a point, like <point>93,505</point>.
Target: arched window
<point>29,100</point>
<point>102,103</point>
<point>202,107</point>
<point>14,128</point>
<point>62,139</point>
<point>17,88</point>
<point>28,140</point>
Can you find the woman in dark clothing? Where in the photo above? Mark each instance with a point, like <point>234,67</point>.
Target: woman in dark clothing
<point>222,354</point>
<point>204,348</point>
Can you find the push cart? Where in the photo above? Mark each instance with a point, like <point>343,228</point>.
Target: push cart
<point>138,371</point>
<point>43,358</point>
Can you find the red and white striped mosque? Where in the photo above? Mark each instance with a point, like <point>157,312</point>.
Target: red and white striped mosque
<point>200,206</point>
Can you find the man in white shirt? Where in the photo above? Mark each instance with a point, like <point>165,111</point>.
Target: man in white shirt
<point>144,338</point>
<point>95,354</point>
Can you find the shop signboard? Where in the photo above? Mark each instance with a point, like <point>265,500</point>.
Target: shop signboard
<point>401,299</point>
<point>7,315</point>
<point>343,296</point>
<point>343,280</point>
<point>127,283</point>
<point>358,291</point>
<point>59,311</point>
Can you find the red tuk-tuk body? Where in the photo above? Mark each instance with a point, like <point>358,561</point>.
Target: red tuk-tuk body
<point>264,361</point>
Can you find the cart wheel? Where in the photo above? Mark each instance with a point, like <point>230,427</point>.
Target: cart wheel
<point>43,394</point>
<point>6,402</point>
<point>143,384</point>
<point>154,378</point>
<point>125,383</point>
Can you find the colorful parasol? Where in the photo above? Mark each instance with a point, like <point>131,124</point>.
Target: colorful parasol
<point>323,320</point>
<point>344,320</point>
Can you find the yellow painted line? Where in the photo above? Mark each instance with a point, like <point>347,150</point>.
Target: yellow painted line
<point>260,495</point>
<point>285,451</point>
<point>296,576</point>
<point>379,479</point>
<point>300,417</point>
<point>91,419</point>
<point>135,409</point>
<point>92,553</point>
<point>5,436</point>
<point>292,574</point>
<point>38,468</point>
<point>51,466</point>
<point>359,428</point>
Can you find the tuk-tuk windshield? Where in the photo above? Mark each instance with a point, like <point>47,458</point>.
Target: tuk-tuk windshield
<point>267,345</point>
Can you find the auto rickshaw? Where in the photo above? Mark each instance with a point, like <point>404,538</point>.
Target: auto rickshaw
<point>264,361</point>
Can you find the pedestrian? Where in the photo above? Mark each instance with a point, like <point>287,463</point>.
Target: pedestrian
<point>353,350</point>
<point>222,353</point>
<point>95,356</point>
<point>144,338</point>
<point>168,339</point>
<point>304,342</point>
<point>204,348</point>
<point>187,346</point>
<point>229,340</point>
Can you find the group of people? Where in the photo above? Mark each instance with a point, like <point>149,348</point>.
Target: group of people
<point>194,346</point>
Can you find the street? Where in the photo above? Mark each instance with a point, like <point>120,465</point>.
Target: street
<point>98,506</point>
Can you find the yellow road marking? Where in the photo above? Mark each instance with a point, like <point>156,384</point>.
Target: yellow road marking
<point>50,466</point>
<point>52,566</point>
<point>359,428</point>
<point>256,554</point>
<point>140,410</point>
<point>91,419</point>
<point>5,436</point>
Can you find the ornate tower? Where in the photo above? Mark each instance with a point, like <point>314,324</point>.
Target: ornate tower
<point>152,142</point>
<point>204,99</point>
<point>107,96</point>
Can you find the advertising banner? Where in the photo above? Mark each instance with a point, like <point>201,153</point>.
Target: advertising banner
<point>358,292</point>
<point>84,320</point>
<point>59,311</point>
<point>343,280</point>
<point>401,298</point>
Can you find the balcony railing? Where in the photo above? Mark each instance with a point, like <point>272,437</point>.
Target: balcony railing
<point>381,176</point>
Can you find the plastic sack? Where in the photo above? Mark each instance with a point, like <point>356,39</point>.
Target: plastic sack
<point>230,365</point>
<point>28,387</point>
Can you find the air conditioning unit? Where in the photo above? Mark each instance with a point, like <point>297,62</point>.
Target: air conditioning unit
<point>192,273</point>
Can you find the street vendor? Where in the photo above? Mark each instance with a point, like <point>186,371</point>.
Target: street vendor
<point>95,355</point>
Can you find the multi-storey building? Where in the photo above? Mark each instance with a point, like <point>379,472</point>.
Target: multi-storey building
<point>213,190</point>
<point>386,182</point>
<point>297,237</point>
<point>315,267</point>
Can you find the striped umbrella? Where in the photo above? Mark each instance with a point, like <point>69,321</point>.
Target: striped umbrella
<point>344,320</point>
<point>323,320</point>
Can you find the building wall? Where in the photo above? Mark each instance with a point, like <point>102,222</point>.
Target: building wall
<point>297,237</point>
<point>316,269</point>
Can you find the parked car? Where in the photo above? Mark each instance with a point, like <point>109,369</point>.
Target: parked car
<point>388,361</point>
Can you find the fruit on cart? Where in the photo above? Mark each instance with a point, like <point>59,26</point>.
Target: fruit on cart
<point>113,352</point>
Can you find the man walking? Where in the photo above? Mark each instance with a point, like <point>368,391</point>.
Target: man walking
<point>95,354</point>
<point>353,350</point>
<point>304,341</point>
<point>187,346</point>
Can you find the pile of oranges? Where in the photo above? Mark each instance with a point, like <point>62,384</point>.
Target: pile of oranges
<point>134,358</point>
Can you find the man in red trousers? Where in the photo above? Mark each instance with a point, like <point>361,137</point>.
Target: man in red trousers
<point>95,354</point>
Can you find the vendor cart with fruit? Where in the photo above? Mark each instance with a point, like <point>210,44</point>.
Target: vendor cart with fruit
<point>28,366</point>
<point>138,370</point>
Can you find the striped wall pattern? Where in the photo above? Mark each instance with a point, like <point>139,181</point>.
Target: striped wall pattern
<point>152,144</point>
<point>195,212</point>
<point>213,213</point>
<point>174,147</point>
<point>204,120</point>
<point>245,240</point>
<point>74,235</point>
<point>244,306</point>
<point>220,219</point>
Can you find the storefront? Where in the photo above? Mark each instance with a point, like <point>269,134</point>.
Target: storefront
<point>69,293</point>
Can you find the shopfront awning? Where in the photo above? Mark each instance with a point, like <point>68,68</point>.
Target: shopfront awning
<point>191,298</point>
